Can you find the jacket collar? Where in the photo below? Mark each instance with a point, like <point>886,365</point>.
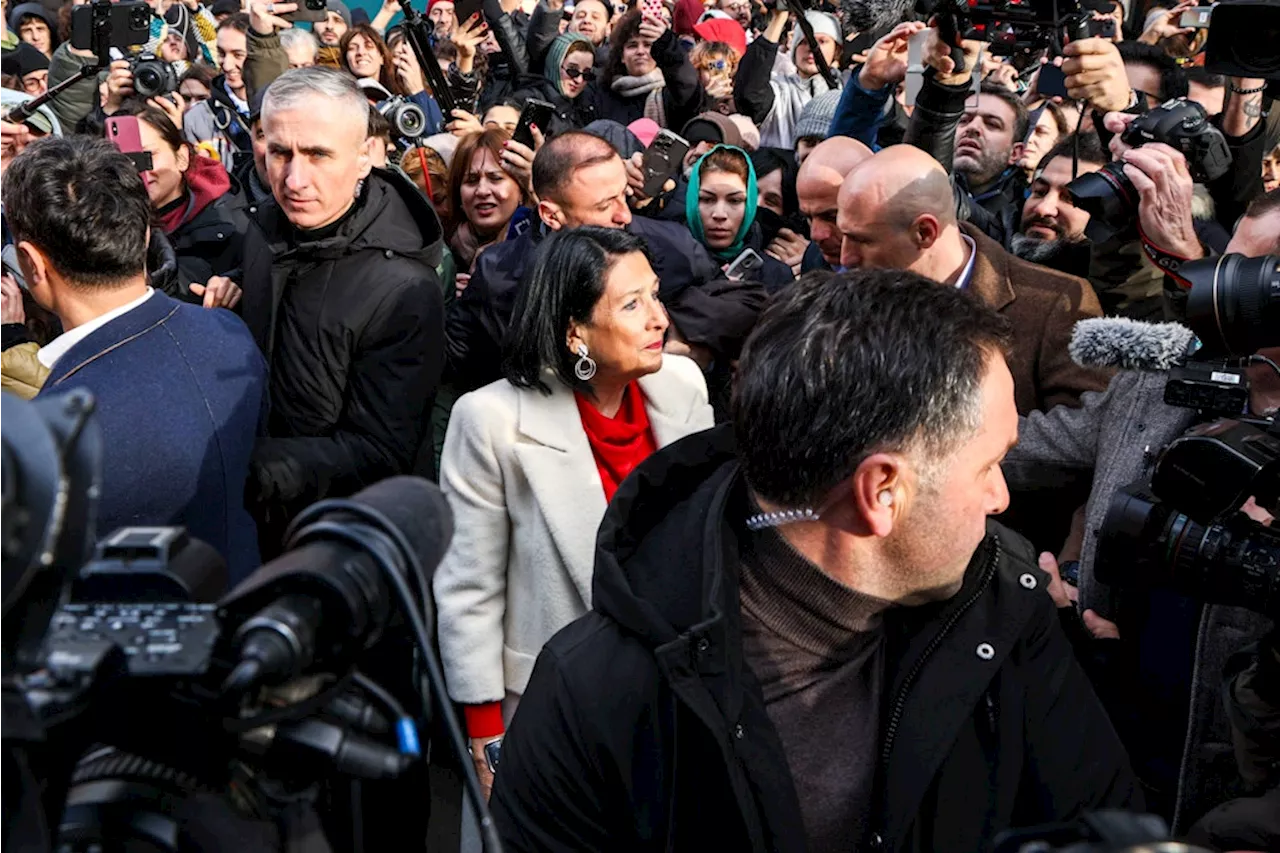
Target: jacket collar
<point>147,317</point>
<point>990,279</point>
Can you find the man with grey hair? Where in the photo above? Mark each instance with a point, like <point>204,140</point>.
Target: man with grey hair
<point>896,211</point>
<point>300,46</point>
<point>342,296</point>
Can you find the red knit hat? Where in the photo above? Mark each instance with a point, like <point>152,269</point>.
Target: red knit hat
<point>686,14</point>
<point>722,29</point>
<point>431,3</point>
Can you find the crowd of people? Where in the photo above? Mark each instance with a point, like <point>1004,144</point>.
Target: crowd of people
<point>722,447</point>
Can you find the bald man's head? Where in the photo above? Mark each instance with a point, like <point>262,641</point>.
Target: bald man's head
<point>897,211</point>
<point>818,189</point>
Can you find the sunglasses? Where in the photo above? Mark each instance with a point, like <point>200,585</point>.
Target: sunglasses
<point>717,65</point>
<point>573,72</point>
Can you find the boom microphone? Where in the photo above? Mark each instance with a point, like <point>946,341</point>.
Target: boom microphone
<point>875,16</point>
<point>1130,344</point>
<point>328,598</point>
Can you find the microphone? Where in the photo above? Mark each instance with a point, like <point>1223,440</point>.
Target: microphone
<point>328,597</point>
<point>875,16</point>
<point>1131,344</point>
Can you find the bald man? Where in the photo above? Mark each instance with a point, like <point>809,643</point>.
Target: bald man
<point>818,188</point>
<point>896,211</point>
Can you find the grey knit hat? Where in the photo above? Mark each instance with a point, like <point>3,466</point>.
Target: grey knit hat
<point>817,115</point>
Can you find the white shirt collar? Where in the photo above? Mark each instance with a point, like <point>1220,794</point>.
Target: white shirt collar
<point>965,274</point>
<point>62,344</point>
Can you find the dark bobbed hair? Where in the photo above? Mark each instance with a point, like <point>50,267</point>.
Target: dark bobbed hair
<point>568,279</point>
<point>843,366</point>
<point>84,205</point>
<point>492,140</point>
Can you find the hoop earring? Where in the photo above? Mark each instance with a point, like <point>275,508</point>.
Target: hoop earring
<point>586,366</point>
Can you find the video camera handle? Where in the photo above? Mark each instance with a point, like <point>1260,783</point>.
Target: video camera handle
<point>415,27</point>
<point>100,44</point>
<point>806,29</point>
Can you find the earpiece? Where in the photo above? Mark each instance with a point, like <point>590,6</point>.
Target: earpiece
<point>886,498</point>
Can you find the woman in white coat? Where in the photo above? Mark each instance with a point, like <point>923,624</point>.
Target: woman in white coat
<point>531,461</point>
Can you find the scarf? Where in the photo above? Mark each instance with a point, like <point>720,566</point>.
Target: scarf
<point>650,84</point>
<point>694,217</point>
<point>206,181</point>
<point>619,443</point>
<point>560,48</point>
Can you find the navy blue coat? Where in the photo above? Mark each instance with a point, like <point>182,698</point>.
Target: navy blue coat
<point>179,392</point>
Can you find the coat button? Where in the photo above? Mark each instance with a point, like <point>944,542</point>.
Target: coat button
<point>1027,580</point>
<point>388,254</point>
<point>738,731</point>
<point>986,651</point>
<point>221,236</point>
<point>703,645</point>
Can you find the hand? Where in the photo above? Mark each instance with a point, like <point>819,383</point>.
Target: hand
<point>220,292</point>
<point>1062,593</point>
<point>886,63</point>
<point>1101,629</point>
<point>651,28</point>
<point>482,764</point>
<point>635,181</point>
<point>1163,181</point>
<point>1095,73</point>
<point>119,85</point>
<point>13,138</point>
<point>467,37</point>
<point>937,55</point>
<point>408,72</point>
<point>11,310</point>
<point>464,123</point>
<point>720,88</point>
<point>788,247</point>
<point>264,17</point>
<point>173,105</point>
<point>517,159</point>
<point>1116,124</point>
<point>1005,75</point>
<point>1165,24</point>
<point>460,282</point>
<point>555,5</point>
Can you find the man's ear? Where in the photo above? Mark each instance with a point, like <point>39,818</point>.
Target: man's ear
<point>925,230</point>
<point>35,268</point>
<point>1016,153</point>
<point>366,156</point>
<point>879,492</point>
<point>550,213</point>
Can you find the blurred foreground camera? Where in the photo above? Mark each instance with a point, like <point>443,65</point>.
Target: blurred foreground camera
<point>1109,197</point>
<point>1234,303</point>
<point>1243,38</point>
<point>152,76</point>
<point>407,120</point>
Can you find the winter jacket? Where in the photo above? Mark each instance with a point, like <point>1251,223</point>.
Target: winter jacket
<point>681,97</point>
<point>22,373</point>
<point>209,240</point>
<point>569,114</point>
<point>217,119</point>
<point>643,728</point>
<point>79,99</point>
<point>770,98</point>
<point>265,60</point>
<point>355,368</point>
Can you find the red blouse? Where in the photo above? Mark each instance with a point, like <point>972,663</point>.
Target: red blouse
<point>619,443</point>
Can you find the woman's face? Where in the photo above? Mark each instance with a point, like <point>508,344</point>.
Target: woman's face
<point>770,192</point>
<point>503,116</point>
<point>164,180</point>
<point>489,195</point>
<point>363,57</point>
<point>804,56</point>
<point>1043,137</point>
<point>636,57</point>
<point>628,323</point>
<point>574,72</point>
<point>173,48</point>
<point>36,83</point>
<point>194,91</point>
<point>35,32</point>
<point>722,202</point>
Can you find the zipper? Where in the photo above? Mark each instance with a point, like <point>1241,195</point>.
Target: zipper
<point>900,700</point>
<point>1202,629</point>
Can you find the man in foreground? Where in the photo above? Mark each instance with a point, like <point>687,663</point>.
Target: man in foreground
<point>806,634</point>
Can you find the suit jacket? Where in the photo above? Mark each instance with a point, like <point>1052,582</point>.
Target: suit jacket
<point>1043,306</point>
<point>527,499</point>
<point>179,392</point>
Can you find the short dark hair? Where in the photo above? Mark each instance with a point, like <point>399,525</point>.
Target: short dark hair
<point>843,366</point>
<point>1173,80</point>
<point>1021,117</point>
<point>238,22</point>
<point>1264,204</point>
<point>564,154</point>
<point>1090,149</point>
<point>567,281</point>
<point>1200,75</point>
<point>84,205</point>
<point>624,30</point>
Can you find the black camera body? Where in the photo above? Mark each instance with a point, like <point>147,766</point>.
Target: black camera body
<point>152,76</point>
<point>408,121</point>
<point>1010,27</point>
<point>1109,197</point>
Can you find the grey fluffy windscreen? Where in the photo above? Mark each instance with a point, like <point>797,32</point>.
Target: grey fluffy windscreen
<point>1129,344</point>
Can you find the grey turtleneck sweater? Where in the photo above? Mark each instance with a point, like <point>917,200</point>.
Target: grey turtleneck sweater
<point>817,648</point>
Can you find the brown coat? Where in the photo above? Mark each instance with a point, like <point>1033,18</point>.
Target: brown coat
<point>1043,306</point>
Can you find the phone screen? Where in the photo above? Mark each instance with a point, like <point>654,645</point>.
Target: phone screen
<point>1051,82</point>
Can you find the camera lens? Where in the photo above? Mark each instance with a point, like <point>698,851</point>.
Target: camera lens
<point>409,121</point>
<point>1234,303</point>
<point>147,80</point>
<point>1108,197</point>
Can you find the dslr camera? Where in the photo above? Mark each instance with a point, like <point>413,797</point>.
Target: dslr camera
<point>1183,526</point>
<point>152,76</point>
<point>1109,196</point>
<point>408,121</point>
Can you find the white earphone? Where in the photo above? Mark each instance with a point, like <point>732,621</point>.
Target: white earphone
<point>886,498</point>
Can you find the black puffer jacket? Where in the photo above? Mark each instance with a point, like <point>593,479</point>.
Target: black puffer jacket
<point>570,114</point>
<point>356,347</point>
<point>211,243</point>
<point>642,728</point>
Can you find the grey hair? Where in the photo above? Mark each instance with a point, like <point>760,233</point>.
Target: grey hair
<point>294,37</point>
<point>297,85</point>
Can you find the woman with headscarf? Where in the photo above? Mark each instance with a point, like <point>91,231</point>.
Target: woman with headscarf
<point>569,69</point>
<point>720,208</point>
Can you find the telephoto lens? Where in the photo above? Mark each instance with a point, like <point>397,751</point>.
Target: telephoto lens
<point>1234,303</point>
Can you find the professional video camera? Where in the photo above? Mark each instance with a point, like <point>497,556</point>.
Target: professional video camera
<point>1182,526</point>
<point>1109,197</point>
<point>152,76</point>
<point>1011,27</point>
<point>134,699</point>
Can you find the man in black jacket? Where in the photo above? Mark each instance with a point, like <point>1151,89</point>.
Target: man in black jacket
<point>341,294</point>
<point>816,640</point>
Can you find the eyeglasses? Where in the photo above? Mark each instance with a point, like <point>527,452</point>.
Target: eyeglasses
<point>717,65</point>
<point>573,72</point>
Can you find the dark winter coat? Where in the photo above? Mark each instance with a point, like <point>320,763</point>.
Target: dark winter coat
<point>569,115</point>
<point>211,243</point>
<point>642,727</point>
<point>681,97</point>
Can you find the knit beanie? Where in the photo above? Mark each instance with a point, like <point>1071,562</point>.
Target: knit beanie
<point>823,23</point>
<point>817,115</point>
<point>560,48</point>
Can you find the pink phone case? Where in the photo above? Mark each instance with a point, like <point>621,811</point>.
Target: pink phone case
<point>123,133</point>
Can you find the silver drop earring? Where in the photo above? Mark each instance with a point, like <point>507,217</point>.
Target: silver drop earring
<point>586,366</point>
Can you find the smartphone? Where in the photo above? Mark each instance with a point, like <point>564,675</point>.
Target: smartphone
<point>1052,81</point>
<point>124,134</point>
<point>1197,18</point>
<point>308,10</point>
<point>662,160</point>
<point>652,9</point>
<point>1104,28</point>
<point>464,9</point>
<point>744,265</point>
<point>537,113</point>
<point>129,25</point>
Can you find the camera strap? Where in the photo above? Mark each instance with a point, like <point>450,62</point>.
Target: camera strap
<point>1164,260</point>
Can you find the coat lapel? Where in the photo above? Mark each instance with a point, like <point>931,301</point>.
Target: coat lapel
<point>563,478</point>
<point>990,280</point>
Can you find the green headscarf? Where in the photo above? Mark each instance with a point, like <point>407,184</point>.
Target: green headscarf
<point>557,52</point>
<point>694,217</point>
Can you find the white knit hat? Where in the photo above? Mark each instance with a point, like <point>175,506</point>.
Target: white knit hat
<point>823,23</point>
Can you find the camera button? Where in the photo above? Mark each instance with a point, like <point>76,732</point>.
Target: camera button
<point>986,651</point>
<point>1027,580</point>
